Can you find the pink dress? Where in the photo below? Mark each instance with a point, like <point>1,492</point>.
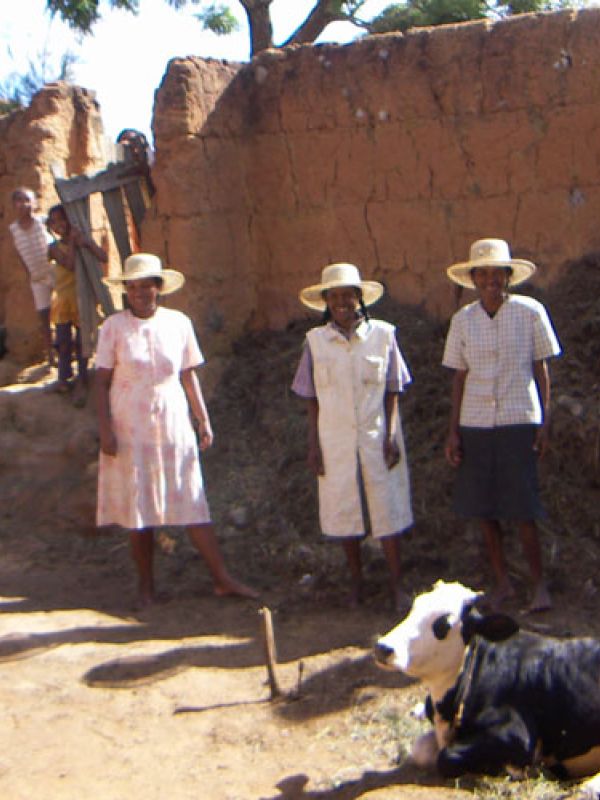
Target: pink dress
<point>155,478</point>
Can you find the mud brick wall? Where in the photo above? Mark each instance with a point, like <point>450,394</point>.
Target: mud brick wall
<point>62,127</point>
<point>394,152</point>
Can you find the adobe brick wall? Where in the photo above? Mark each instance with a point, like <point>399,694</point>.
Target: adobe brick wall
<point>62,127</point>
<point>394,152</point>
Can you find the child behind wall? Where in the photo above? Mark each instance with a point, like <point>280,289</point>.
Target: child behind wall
<point>64,310</point>
<point>30,239</point>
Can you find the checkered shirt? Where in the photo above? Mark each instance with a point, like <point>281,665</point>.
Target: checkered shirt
<point>498,354</point>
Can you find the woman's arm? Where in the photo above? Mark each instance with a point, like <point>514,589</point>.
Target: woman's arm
<point>193,392</point>
<point>453,448</point>
<point>102,382</point>
<point>315,456</point>
<point>541,375</point>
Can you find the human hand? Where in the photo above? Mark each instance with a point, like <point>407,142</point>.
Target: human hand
<point>78,237</point>
<point>108,442</point>
<point>205,436</point>
<point>315,460</point>
<point>541,443</point>
<point>391,452</point>
<point>453,449</point>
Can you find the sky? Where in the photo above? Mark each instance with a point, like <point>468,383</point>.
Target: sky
<point>125,58</point>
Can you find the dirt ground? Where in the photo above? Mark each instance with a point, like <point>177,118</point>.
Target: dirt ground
<point>102,702</point>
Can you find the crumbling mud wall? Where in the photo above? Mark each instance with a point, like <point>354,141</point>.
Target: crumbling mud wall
<point>61,127</point>
<point>394,152</point>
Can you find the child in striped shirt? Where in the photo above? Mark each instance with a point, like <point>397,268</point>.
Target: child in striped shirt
<point>31,241</point>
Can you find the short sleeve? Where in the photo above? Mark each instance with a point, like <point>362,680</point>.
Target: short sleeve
<point>545,341</point>
<point>455,345</point>
<point>303,383</point>
<point>398,375</point>
<point>191,355</point>
<point>106,350</point>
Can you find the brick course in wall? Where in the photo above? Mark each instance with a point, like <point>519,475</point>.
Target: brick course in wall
<point>393,152</point>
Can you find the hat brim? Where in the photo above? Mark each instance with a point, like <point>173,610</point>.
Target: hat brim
<point>172,279</point>
<point>461,273</point>
<point>312,296</point>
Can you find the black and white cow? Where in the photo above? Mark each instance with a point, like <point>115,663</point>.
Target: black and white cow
<point>498,697</point>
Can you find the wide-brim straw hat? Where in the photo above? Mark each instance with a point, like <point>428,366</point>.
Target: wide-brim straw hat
<point>145,265</point>
<point>336,276</point>
<point>490,253</point>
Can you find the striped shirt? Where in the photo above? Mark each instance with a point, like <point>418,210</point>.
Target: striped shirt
<point>32,245</point>
<point>498,354</point>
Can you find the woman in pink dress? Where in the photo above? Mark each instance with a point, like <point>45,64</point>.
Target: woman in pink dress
<point>146,386</point>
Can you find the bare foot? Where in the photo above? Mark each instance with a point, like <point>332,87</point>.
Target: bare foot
<point>80,394</point>
<point>496,598</point>
<point>355,595</point>
<point>149,599</point>
<point>540,601</point>
<point>231,587</point>
<point>144,601</point>
<point>62,387</point>
<point>402,601</point>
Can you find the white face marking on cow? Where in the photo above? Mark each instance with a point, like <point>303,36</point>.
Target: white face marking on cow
<point>412,646</point>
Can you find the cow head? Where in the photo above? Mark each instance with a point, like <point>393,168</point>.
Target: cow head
<point>429,643</point>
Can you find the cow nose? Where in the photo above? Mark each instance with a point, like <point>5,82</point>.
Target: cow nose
<point>382,652</point>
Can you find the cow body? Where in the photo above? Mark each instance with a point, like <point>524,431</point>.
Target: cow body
<point>499,697</point>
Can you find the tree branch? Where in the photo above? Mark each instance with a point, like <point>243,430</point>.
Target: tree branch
<point>259,22</point>
<point>324,12</point>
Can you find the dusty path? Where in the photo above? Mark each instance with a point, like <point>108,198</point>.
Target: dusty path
<point>90,695</point>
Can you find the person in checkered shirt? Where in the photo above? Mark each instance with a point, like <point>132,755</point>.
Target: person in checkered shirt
<point>498,347</point>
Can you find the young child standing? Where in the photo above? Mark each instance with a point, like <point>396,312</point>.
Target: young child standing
<point>64,311</point>
<point>351,373</point>
<point>31,239</point>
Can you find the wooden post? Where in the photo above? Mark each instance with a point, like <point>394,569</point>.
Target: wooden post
<point>270,652</point>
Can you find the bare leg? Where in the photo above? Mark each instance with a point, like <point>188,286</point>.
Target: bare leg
<point>391,549</point>
<point>81,387</point>
<point>530,542</point>
<point>44,318</point>
<point>204,540</point>
<point>142,552</point>
<point>503,589</point>
<point>353,558</point>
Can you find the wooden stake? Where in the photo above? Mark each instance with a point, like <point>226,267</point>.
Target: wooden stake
<point>270,652</point>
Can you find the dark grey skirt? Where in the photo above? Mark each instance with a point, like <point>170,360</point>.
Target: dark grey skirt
<point>497,477</point>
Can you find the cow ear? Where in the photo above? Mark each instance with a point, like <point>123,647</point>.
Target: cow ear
<point>442,625</point>
<point>493,627</point>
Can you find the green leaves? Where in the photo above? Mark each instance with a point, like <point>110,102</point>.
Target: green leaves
<point>82,14</point>
<point>218,19</point>
<point>423,13</point>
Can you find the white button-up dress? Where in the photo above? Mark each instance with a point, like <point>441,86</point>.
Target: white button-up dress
<point>350,383</point>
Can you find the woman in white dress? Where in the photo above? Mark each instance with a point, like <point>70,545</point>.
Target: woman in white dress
<point>351,374</point>
<point>146,385</point>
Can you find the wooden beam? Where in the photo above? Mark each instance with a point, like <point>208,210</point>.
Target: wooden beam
<point>81,186</point>
<point>91,292</point>
<point>113,205</point>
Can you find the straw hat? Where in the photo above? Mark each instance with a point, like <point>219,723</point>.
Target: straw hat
<point>336,276</point>
<point>490,253</point>
<point>145,265</point>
